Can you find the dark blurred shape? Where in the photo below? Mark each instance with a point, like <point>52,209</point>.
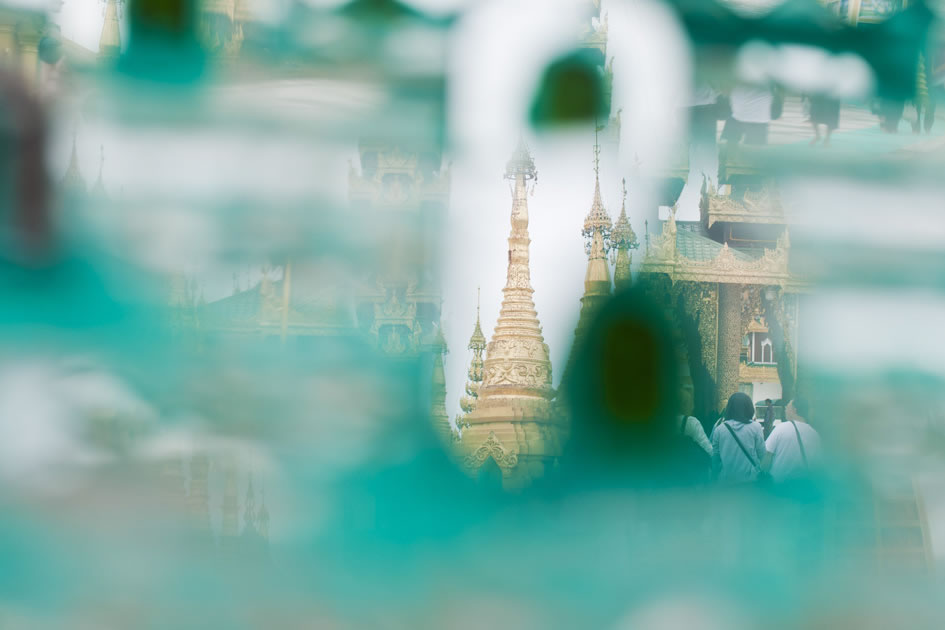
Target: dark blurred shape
<point>24,193</point>
<point>163,44</point>
<point>377,10</point>
<point>890,47</point>
<point>623,388</point>
<point>571,90</point>
<point>50,50</point>
<point>168,19</point>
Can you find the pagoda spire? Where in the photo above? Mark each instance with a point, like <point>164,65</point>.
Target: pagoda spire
<point>596,232</point>
<point>514,426</point>
<point>517,362</point>
<point>262,517</point>
<point>477,343</point>
<point>72,180</point>
<point>249,514</point>
<point>229,527</point>
<point>109,43</point>
<point>98,188</point>
<point>623,240</point>
<point>438,413</point>
<point>199,493</point>
<point>597,289</point>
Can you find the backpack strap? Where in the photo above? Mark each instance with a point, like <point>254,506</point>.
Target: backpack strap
<point>800,443</point>
<point>741,446</point>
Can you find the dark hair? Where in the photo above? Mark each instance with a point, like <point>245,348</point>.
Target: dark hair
<point>802,406</point>
<point>49,50</point>
<point>767,401</point>
<point>740,407</point>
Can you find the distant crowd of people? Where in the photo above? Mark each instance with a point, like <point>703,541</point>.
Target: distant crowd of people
<point>744,450</point>
<point>748,110</point>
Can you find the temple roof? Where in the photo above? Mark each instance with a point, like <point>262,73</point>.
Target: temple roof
<point>759,206</point>
<point>694,244</point>
<point>260,307</point>
<point>684,252</point>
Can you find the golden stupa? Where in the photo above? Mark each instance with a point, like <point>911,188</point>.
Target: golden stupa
<point>513,422</point>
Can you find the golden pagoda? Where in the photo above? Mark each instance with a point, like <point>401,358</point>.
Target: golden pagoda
<point>477,343</point>
<point>513,422</point>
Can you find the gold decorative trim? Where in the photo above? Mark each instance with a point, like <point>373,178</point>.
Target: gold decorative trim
<point>763,206</point>
<point>748,373</point>
<point>770,269</point>
<point>492,447</point>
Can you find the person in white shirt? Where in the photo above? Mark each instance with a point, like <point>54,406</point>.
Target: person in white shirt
<point>738,443</point>
<point>751,113</point>
<point>692,428</point>
<point>793,448</point>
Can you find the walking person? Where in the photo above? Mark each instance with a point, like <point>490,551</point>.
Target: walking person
<point>751,113</point>
<point>824,111</point>
<point>793,449</point>
<point>738,444</point>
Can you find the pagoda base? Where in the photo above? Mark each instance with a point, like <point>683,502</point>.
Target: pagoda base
<point>524,437</point>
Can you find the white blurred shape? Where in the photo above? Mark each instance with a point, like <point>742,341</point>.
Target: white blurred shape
<point>685,611</point>
<point>652,78</point>
<point>752,8</point>
<point>43,406</point>
<point>839,211</point>
<point>501,51</point>
<point>439,8</point>
<point>855,332</point>
<point>161,240</point>
<point>807,69</point>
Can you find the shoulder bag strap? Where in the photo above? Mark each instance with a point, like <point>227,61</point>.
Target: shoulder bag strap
<point>741,446</point>
<point>801,444</point>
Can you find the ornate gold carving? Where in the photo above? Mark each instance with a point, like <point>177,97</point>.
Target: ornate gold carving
<point>752,306</point>
<point>492,447</point>
<point>762,206</point>
<point>516,374</point>
<point>701,300</point>
<point>519,348</point>
<point>757,373</point>
<point>731,330</point>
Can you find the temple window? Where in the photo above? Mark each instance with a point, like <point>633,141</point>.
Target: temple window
<point>761,349</point>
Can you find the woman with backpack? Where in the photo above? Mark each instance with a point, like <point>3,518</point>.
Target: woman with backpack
<point>738,444</point>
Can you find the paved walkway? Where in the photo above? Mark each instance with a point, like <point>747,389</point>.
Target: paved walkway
<point>858,137</point>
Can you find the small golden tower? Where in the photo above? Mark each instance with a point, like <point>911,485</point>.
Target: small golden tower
<point>597,235</point>
<point>597,289</point>
<point>109,43</point>
<point>623,240</point>
<point>477,343</point>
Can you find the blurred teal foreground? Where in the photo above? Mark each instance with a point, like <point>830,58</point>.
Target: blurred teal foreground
<point>455,314</point>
